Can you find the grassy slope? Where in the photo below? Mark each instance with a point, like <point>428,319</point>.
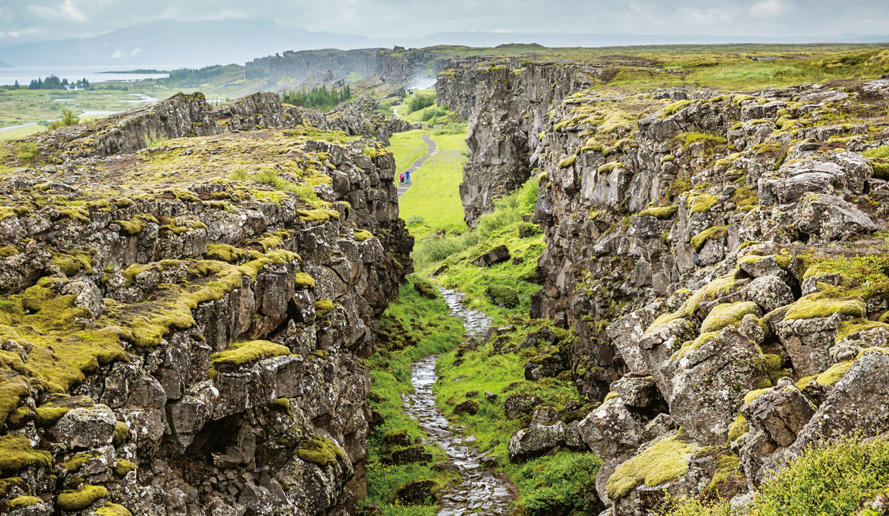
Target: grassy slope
<point>434,194</point>
<point>435,331</point>
<point>406,148</point>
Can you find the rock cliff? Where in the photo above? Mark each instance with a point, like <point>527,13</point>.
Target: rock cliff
<point>185,300</point>
<point>396,66</point>
<point>719,256</point>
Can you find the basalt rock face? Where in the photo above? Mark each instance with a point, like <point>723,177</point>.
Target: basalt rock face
<point>191,115</point>
<point>507,108</point>
<point>178,338</point>
<point>397,66</point>
<point>717,257</point>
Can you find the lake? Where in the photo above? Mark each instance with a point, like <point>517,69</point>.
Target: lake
<point>25,74</point>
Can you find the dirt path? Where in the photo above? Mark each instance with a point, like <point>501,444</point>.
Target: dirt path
<point>431,148</point>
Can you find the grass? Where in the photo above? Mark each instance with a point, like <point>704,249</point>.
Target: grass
<point>411,329</point>
<point>829,479</point>
<point>501,227</point>
<point>435,194</point>
<point>21,132</point>
<point>406,148</point>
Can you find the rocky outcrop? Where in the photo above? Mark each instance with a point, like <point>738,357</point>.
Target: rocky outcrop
<point>715,255</point>
<point>182,327</point>
<point>397,66</point>
<point>183,116</point>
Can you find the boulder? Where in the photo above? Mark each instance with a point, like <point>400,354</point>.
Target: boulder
<point>520,404</point>
<point>496,255</point>
<point>467,407</point>
<point>418,492</point>
<point>414,454</point>
<point>536,440</point>
<point>86,427</point>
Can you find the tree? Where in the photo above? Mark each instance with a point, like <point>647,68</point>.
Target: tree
<point>67,119</point>
<point>17,86</point>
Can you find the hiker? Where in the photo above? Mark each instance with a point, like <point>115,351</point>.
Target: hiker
<point>401,178</point>
<point>408,177</point>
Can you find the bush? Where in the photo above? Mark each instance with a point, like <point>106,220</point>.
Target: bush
<point>414,220</point>
<point>431,113</point>
<point>829,479</point>
<point>26,151</point>
<point>67,119</point>
<point>419,102</point>
<point>502,295</point>
<point>560,484</point>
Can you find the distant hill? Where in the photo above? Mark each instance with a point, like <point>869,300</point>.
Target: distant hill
<point>177,44</point>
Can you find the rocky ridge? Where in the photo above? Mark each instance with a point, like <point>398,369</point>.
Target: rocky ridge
<point>182,326</point>
<point>719,257</point>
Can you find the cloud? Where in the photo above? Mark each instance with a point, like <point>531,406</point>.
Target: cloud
<point>768,9</point>
<point>117,54</point>
<point>135,52</point>
<point>70,10</point>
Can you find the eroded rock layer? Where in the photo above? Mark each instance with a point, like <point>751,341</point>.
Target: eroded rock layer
<point>720,258</point>
<point>182,327</point>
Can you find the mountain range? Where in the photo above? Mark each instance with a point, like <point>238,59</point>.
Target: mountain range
<point>174,44</point>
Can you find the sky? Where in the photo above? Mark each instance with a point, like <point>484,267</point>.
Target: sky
<point>35,20</point>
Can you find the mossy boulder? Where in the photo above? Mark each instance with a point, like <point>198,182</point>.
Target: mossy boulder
<point>502,295</point>
<point>467,407</point>
<point>662,462</point>
<point>418,492</point>
<point>80,499</point>
<point>320,451</point>
<point>17,454</point>
<point>425,289</point>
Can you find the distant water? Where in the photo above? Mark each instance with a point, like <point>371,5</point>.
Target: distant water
<point>25,74</point>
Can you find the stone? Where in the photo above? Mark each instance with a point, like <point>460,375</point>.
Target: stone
<point>519,404</point>
<point>414,454</point>
<point>496,255</point>
<point>418,492</point>
<point>467,407</point>
<point>535,440</point>
<point>85,427</point>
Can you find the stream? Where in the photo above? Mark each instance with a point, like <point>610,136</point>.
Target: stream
<point>481,491</point>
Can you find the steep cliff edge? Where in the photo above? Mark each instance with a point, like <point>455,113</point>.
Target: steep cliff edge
<point>182,327</point>
<point>720,257</point>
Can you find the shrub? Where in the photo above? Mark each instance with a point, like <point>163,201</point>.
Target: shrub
<point>26,151</point>
<point>829,479</point>
<point>414,220</point>
<point>559,484</point>
<point>67,119</point>
<point>419,102</point>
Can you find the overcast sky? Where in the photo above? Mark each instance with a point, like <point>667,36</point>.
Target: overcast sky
<point>34,20</point>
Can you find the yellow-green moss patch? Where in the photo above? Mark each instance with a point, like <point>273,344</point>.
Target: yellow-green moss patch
<point>227,253</point>
<point>361,235</point>
<point>824,304</point>
<point>728,314</point>
<point>20,502</point>
<point>320,450</point>
<point>701,238</point>
<point>323,307</point>
<point>303,280</point>
<point>661,212</point>
<point>121,433</point>
<point>664,461</point>
<point>835,373</point>
<point>16,454</point>
<point>80,499</point>
<point>113,509</point>
<point>700,203</point>
<point>122,467</point>
<point>240,353</point>
<point>738,428</point>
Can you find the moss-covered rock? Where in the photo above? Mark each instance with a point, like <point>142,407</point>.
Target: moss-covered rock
<point>502,295</point>
<point>320,451</point>
<point>662,462</point>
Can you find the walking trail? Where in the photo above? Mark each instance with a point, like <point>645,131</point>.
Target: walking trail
<point>431,148</point>
<point>481,491</point>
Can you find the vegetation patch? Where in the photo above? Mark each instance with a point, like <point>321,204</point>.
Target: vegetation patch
<point>240,353</point>
<point>664,461</point>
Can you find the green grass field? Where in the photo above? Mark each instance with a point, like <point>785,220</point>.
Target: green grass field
<point>435,194</point>
<point>406,148</point>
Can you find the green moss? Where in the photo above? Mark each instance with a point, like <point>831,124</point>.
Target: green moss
<point>320,450</point>
<point>700,203</point>
<point>610,396</point>
<point>834,373</point>
<point>674,108</point>
<point>7,251</point>
<point>608,167</point>
<point>660,212</point>
<point>318,215</point>
<point>136,225</point>
<point>728,314</point>
<point>738,428</point>
<point>303,280</point>
<point>281,405</point>
<point>20,502</point>
<point>113,509</point>
<point>77,462</point>
<point>664,461</point>
<point>668,158</point>
<point>16,454</point>
<point>690,346</point>
<point>71,264</point>
<point>80,499</point>
<point>362,235</point>
<point>824,304</point>
<point>57,406</point>
<point>121,433</point>
<point>8,483</point>
<point>567,162</point>
<point>122,467</point>
<point>698,241</point>
<point>240,353</point>
<point>323,307</point>
<point>711,291</point>
<point>847,328</point>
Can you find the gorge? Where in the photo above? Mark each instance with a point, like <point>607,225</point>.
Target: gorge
<point>674,292</point>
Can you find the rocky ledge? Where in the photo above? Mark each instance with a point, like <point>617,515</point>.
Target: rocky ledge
<point>182,320</point>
